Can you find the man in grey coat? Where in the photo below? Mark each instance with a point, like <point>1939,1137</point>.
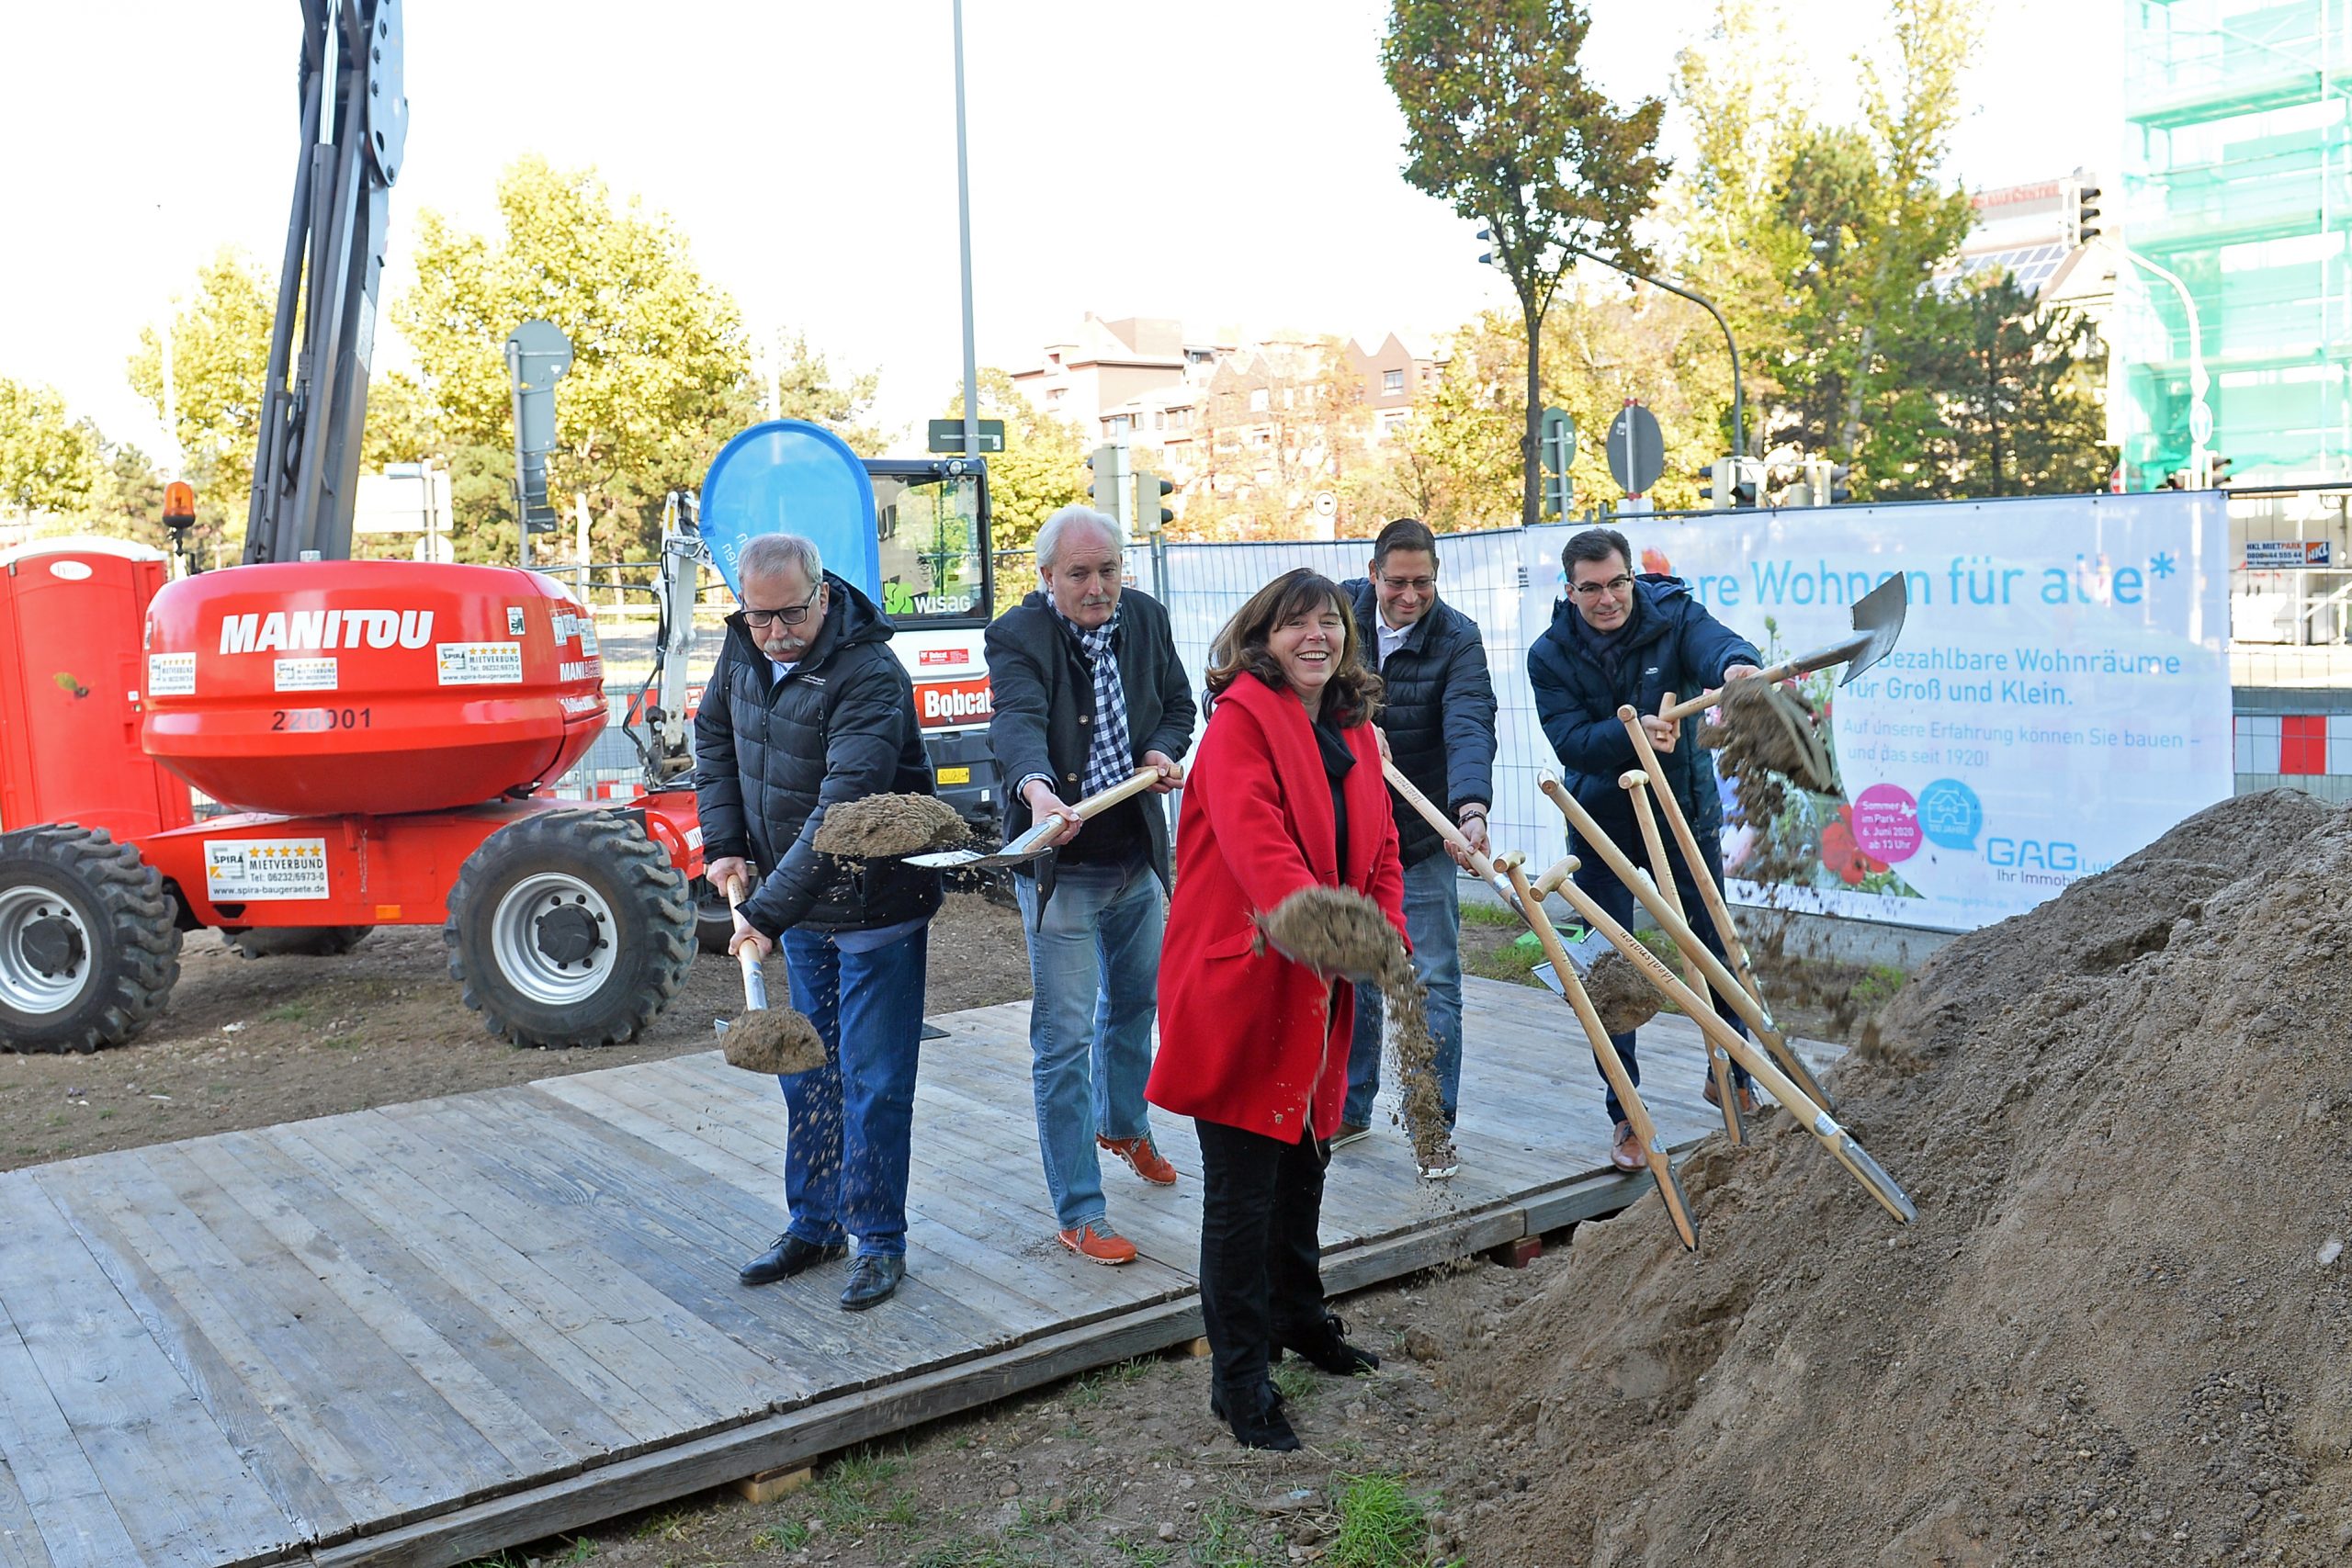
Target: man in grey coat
<point>1087,689</point>
<point>1438,715</point>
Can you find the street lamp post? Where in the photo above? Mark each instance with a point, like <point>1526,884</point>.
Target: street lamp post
<point>1738,403</point>
<point>964,234</point>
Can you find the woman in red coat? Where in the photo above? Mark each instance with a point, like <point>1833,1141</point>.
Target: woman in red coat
<point>1285,792</point>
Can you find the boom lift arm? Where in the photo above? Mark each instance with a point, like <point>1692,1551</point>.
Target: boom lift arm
<point>355,127</point>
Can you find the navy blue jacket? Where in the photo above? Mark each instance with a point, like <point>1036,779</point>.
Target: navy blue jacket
<point>1438,710</point>
<point>1674,646</point>
<point>771,755</point>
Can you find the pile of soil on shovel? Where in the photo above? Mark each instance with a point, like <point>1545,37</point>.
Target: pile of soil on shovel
<point>1754,748</point>
<point>774,1040</point>
<point>1340,932</point>
<point>2120,1332</point>
<point>1621,994</point>
<point>881,826</point>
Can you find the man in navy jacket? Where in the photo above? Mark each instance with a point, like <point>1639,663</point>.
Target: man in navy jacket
<point>1619,639</point>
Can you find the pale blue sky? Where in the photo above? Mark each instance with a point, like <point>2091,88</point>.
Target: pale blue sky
<point>1221,161</point>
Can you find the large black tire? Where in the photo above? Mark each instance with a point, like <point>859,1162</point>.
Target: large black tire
<point>89,941</point>
<point>714,921</point>
<point>300,941</point>
<point>570,928</point>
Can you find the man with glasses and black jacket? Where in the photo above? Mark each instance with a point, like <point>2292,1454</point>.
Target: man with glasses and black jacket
<point>809,708</point>
<point>1619,639</point>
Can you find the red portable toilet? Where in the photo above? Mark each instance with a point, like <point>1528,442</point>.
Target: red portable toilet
<point>73,615</point>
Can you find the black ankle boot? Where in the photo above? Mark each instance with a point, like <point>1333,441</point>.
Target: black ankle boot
<point>1326,1345</point>
<point>1257,1421</point>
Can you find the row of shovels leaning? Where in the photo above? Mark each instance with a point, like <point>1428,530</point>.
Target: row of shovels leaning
<point>781,1041</point>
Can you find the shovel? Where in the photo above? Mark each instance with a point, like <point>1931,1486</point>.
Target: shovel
<point>1808,1111</point>
<point>1478,864</point>
<point>1878,623</point>
<point>1031,844</point>
<point>1669,1191</point>
<point>766,1039</point>
<point>1637,785</point>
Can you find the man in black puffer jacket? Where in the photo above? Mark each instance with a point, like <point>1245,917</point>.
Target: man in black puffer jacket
<point>1437,713</point>
<point>808,708</point>
<point>1614,639</point>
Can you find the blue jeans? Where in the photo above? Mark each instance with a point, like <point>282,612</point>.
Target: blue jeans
<point>848,1122</point>
<point>1094,967</point>
<point>1433,920</point>
<point>1601,886</point>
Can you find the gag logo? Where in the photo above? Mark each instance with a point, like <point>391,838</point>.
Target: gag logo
<point>2033,853</point>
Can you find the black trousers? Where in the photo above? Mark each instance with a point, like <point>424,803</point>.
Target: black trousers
<point>1262,1279</point>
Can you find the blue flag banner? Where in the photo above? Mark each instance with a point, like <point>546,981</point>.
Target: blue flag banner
<point>787,476</point>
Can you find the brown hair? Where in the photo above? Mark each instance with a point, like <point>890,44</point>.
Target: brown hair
<point>1405,534</point>
<point>1352,695</point>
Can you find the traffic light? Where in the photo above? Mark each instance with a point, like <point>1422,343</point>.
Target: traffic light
<point>2217,472</point>
<point>1491,255</point>
<point>1746,482</point>
<point>1714,485</point>
<point>2087,213</point>
<point>1110,488</point>
<point>1557,446</point>
<point>1151,516</point>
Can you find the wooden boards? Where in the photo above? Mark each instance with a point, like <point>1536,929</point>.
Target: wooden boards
<point>420,1334</point>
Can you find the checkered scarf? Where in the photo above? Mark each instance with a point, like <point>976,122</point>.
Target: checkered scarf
<point>1110,759</point>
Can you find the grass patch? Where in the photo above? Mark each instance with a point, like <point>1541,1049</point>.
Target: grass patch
<point>288,1012</point>
<point>1295,1380</point>
<point>789,1536</point>
<point>1477,914</point>
<point>674,1524</point>
<point>340,1043</point>
<point>855,1494</point>
<point>1877,987</point>
<point>1223,1540</point>
<point>1099,1384</point>
<point>1152,1556</point>
<point>1380,1525</point>
<point>974,1551</point>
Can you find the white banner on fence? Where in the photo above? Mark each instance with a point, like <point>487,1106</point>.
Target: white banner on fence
<point>2060,696</point>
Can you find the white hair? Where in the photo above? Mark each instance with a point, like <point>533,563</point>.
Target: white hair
<point>765,555</point>
<point>1050,537</point>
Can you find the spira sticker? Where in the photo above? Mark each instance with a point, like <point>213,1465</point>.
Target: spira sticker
<point>480,664</point>
<point>238,871</point>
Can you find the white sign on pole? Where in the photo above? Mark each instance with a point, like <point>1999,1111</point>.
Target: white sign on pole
<point>2060,696</point>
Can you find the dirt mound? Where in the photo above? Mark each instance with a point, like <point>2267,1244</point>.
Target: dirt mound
<point>2118,1334</point>
<point>1340,932</point>
<point>885,825</point>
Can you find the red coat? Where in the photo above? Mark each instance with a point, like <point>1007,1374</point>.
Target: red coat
<point>1245,1037</point>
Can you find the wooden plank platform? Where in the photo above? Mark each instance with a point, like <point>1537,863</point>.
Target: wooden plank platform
<point>419,1334</point>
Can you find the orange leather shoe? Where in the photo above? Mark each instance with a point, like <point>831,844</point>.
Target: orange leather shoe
<point>1625,1152</point>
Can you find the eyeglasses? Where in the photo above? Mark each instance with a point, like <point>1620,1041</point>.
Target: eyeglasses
<point>791,615</point>
<point>1613,587</point>
<point>1409,584</point>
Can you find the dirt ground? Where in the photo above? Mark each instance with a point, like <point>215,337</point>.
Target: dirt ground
<point>249,1041</point>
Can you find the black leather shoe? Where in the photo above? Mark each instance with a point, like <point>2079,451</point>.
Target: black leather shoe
<point>789,1256</point>
<point>1327,1346</point>
<point>873,1276</point>
<point>1261,1425</point>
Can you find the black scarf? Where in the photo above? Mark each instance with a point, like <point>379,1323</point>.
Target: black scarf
<point>1608,650</point>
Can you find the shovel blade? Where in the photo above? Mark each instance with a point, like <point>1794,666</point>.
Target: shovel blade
<point>1878,620</point>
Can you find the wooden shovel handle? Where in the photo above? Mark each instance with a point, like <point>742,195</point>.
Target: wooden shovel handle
<point>1637,785</point>
<point>1094,805</point>
<point>1604,1053</point>
<point>1675,713</point>
<point>1412,796</point>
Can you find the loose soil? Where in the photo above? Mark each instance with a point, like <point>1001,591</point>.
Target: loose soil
<point>774,1040</point>
<point>1766,729</point>
<point>883,825</point>
<point>2118,1334</point>
<point>247,1042</point>
<point>1340,932</point>
<point>1624,999</point>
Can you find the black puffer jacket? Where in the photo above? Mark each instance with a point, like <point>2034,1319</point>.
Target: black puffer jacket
<point>771,755</point>
<point>1672,645</point>
<point>1438,711</point>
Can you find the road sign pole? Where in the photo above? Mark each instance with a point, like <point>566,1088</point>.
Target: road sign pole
<point>964,235</point>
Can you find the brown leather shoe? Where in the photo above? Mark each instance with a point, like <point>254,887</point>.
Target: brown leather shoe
<point>1749,1104</point>
<point>1626,1153</point>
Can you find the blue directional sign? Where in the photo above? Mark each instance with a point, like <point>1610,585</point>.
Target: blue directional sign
<point>787,476</point>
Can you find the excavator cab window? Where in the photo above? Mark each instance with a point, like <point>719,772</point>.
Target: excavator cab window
<point>933,530</point>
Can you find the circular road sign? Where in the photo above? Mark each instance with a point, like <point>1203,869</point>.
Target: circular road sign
<point>1636,449</point>
<point>1325,504</point>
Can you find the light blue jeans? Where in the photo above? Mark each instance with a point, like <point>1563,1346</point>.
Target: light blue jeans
<point>1433,920</point>
<point>1094,966</point>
